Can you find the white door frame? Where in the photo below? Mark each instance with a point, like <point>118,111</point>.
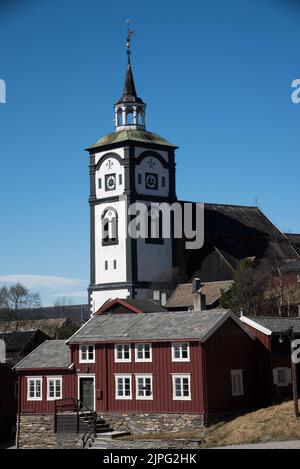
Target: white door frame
<point>86,375</point>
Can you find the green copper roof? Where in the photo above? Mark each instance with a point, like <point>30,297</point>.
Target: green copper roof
<point>135,135</point>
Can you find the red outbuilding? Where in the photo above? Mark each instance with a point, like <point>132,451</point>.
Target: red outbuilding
<point>273,351</point>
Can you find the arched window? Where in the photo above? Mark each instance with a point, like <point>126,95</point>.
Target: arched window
<point>140,117</point>
<point>109,226</point>
<point>119,117</point>
<point>129,117</point>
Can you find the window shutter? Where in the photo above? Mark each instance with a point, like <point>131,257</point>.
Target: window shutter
<point>275,376</point>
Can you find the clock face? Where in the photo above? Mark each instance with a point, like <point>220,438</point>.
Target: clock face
<point>110,182</point>
<point>151,181</point>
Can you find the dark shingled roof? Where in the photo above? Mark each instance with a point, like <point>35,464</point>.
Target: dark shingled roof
<point>276,325</point>
<point>159,326</point>
<point>15,342</point>
<point>51,354</point>
<point>72,312</point>
<point>147,306</point>
<point>233,233</point>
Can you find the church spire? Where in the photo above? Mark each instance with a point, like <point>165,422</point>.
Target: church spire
<point>129,109</point>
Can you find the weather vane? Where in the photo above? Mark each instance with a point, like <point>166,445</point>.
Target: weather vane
<point>130,34</point>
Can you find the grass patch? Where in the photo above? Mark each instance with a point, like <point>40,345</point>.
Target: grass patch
<point>275,423</point>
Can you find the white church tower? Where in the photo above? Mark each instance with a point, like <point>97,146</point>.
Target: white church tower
<point>129,166</point>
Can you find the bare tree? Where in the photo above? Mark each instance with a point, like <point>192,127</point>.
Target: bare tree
<point>13,300</point>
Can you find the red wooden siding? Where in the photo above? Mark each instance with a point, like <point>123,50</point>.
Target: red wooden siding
<point>161,368</point>
<point>209,367</point>
<point>227,349</point>
<point>46,407</point>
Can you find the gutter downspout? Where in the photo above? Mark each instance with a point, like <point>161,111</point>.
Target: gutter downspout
<point>19,415</point>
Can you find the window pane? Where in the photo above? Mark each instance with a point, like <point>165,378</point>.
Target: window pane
<point>31,388</point>
<point>185,386</point>
<point>184,351</point>
<point>38,388</point>
<point>140,387</point>
<point>127,387</point>
<point>148,387</point>
<point>91,352</point>
<point>176,351</point>
<point>126,352</point>
<point>147,351</point>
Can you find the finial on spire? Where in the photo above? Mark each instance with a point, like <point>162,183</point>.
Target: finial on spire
<point>130,34</point>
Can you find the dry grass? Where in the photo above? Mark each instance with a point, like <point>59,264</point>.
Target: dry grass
<point>276,423</point>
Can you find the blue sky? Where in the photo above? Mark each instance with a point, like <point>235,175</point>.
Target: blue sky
<point>217,80</point>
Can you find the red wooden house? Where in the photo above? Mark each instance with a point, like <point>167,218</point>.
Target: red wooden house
<point>273,351</point>
<point>146,368</point>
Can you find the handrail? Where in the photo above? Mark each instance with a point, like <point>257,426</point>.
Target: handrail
<point>59,404</point>
<point>92,422</point>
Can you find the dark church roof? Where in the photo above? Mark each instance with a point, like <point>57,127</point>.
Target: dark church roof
<point>233,233</point>
<point>129,94</point>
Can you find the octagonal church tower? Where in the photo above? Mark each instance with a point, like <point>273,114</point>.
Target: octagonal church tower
<point>129,166</point>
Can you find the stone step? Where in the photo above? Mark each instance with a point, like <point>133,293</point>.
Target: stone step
<point>102,425</point>
<point>110,435</point>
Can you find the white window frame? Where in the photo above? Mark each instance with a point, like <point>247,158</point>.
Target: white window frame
<point>287,375</point>
<point>143,376</point>
<point>54,378</point>
<point>34,378</point>
<point>236,392</point>
<point>88,360</point>
<point>143,360</point>
<point>123,376</point>
<point>181,376</point>
<point>180,359</point>
<point>122,360</point>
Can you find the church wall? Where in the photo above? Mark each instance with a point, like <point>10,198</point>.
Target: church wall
<point>114,169</point>
<point>139,150</point>
<point>98,156</point>
<point>143,169</point>
<point>111,253</point>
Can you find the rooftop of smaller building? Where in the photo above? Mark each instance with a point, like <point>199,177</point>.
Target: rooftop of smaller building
<point>52,354</point>
<point>273,325</point>
<point>183,297</point>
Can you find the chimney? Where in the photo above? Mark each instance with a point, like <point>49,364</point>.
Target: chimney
<point>199,298</point>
